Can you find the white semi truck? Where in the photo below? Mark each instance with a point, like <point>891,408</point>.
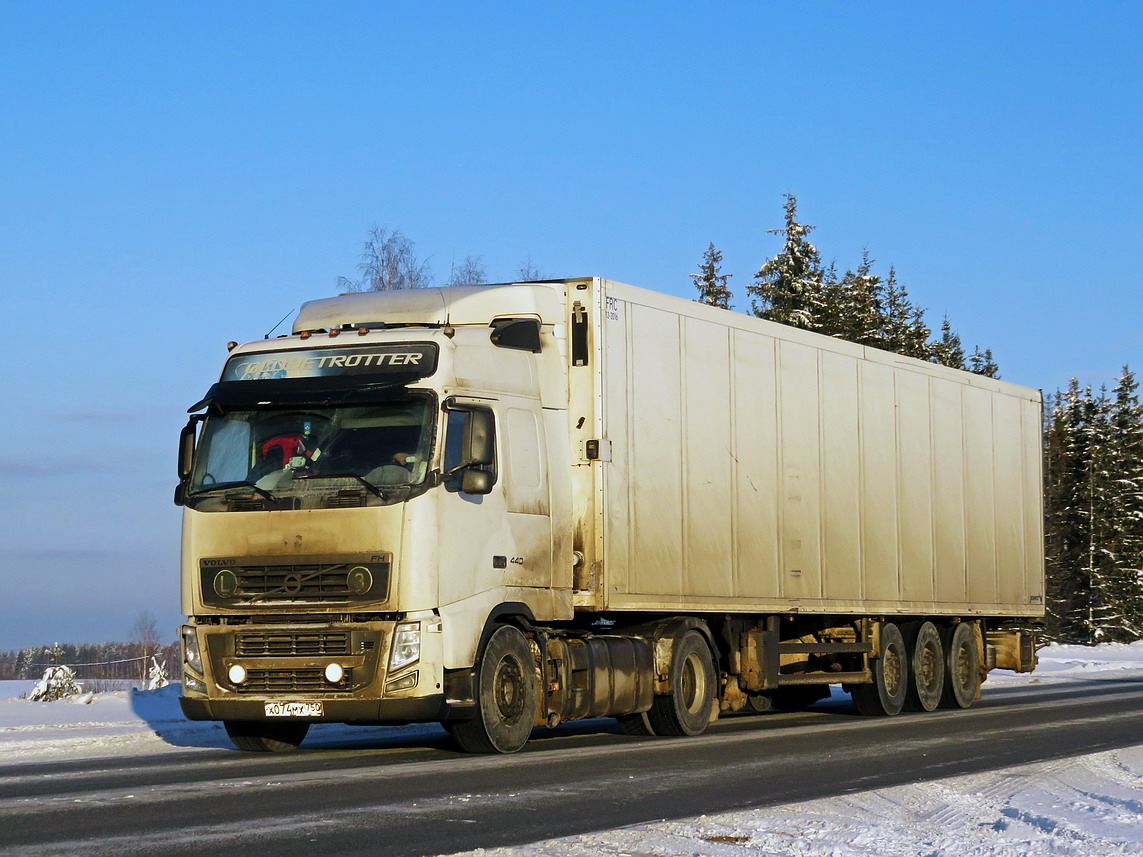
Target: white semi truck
<point>511,506</point>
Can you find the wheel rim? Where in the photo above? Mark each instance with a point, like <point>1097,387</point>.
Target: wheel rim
<point>891,671</point>
<point>508,690</point>
<point>963,672</point>
<point>692,681</point>
<point>928,668</point>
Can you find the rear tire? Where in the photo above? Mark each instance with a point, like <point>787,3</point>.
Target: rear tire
<point>635,724</point>
<point>926,666</point>
<point>686,710</point>
<point>506,696</point>
<point>260,736</point>
<point>886,695</point>
<point>962,666</point>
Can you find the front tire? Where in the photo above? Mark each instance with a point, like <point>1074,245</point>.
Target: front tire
<point>506,697</point>
<point>886,695</point>
<point>260,736</point>
<point>686,710</point>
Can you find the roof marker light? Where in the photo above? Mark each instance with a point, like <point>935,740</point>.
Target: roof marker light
<point>231,345</point>
<point>305,334</point>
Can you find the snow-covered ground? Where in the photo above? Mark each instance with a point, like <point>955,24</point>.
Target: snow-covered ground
<point>1090,806</point>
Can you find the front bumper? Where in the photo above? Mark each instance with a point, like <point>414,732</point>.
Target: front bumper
<point>363,711</point>
<point>286,662</point>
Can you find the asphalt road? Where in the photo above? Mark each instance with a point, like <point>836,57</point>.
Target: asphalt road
<point>402,799</point>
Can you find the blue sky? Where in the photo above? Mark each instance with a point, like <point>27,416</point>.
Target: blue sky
<point>172,177</point>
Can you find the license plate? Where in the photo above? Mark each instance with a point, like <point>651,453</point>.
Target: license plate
<point>294,709</point>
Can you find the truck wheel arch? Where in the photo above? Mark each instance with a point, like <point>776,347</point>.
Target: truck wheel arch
<point>460,684</point>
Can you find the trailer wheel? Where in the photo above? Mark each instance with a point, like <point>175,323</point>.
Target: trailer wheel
<point>686,709</point>
<point>962,666</point>
<point>259,736</point>
<point>506,696</point>
<point>926,666</point>
<point>886,695</point>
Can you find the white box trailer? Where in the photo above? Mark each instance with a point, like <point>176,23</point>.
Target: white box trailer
<point>756,467</point>
<point>579,498</point>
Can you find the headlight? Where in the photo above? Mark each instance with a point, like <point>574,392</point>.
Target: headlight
<point>191,654</point>
<point>406,647</point>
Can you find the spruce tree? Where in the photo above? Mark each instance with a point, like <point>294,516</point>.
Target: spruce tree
<point>788,288</point>
<point>1067,508</point>
<point>947,350</point>
<point>1124,525</point>
<point>905,330</point>
<point>981,363</point>
<point>855,306</point>
<point>710,281</point>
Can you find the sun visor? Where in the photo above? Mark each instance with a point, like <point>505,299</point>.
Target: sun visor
<point>320,376</point>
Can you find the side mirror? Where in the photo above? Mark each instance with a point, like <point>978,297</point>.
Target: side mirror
<point>521,334</point>
<point>186,447</point>
<point>479,443</point>
<point>476,482</point>
<point>181,493</point>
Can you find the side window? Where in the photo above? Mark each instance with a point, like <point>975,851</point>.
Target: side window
<point>454,435</point>
<point>466,433</point>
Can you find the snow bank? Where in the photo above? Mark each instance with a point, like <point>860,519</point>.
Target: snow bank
<point>1090,806</point>
<point>1067,808</point>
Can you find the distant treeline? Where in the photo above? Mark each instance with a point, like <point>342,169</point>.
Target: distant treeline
<point>90,660</point>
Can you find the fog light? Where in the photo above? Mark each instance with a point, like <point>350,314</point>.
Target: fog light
<point>237,674</point>
<point>190,683</point>
<point>334,673</point>
<point>402,683</point>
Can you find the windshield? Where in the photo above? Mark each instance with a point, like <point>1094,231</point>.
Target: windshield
<point>276,453</point>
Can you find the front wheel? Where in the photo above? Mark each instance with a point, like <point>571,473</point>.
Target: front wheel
<point>260,736</point>
<point>506,696</point>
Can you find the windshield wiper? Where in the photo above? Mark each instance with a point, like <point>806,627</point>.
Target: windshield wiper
<point>221,486</point>
<point>369,486</point>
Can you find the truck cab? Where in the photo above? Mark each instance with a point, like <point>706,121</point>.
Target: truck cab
<point>363,497</point>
